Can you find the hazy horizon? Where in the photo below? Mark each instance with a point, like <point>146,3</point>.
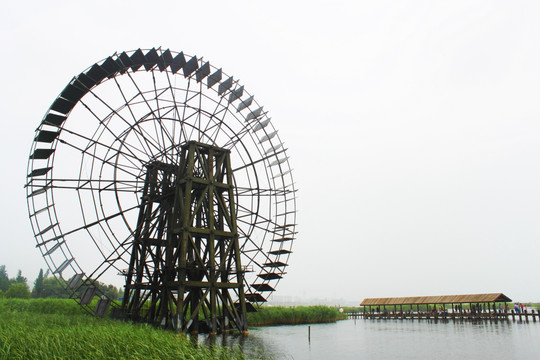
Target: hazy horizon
<point>413,128</point>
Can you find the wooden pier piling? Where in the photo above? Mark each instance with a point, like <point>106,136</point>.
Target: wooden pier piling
<point>533,315</point>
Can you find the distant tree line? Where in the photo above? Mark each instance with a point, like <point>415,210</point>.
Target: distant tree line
<point>45,286</point>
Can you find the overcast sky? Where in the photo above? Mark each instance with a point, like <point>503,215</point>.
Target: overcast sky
<point>413,127</point>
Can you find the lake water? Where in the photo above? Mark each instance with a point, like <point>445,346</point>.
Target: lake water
<point>393,339</point>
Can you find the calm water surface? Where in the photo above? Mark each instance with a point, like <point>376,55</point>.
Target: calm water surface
<point>394,339</point>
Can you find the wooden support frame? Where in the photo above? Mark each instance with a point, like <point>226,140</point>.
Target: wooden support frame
<point>185,271</point>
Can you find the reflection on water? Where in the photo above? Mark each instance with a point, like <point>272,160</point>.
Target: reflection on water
<point>391,339</point>
<point>254,347</point>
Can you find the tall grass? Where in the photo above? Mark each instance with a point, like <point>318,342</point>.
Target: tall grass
<point>28,333</point>
<point>60,329</point>
<point>294,315</point>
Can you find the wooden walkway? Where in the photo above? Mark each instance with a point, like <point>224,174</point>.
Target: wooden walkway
<point>491,316</point>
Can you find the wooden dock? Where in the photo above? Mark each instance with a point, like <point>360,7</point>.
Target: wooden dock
<point>470,307</point>
<point>464,316</point>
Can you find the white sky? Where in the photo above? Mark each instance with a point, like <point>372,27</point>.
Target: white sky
<point>413,127</point>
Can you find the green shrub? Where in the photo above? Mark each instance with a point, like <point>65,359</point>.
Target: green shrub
<point>18,291</point>
<point>41,306</point>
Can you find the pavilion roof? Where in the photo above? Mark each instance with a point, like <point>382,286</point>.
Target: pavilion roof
<point>442,299</point>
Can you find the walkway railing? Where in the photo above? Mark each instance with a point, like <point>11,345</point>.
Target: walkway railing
<point>464,315</point>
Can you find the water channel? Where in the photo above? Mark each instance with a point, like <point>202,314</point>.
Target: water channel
<point>393,339</point>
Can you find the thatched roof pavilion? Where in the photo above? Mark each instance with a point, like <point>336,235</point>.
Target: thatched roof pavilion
<point>465,307</point>
<point>444,299</point>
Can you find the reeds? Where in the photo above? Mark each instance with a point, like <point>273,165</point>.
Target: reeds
<point>60,329</point>
<point>294,315</point>
<point>27,333</point>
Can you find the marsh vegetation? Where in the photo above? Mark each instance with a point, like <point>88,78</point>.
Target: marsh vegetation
<point>61,329</point>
